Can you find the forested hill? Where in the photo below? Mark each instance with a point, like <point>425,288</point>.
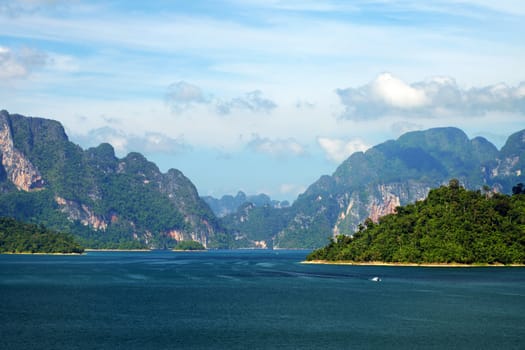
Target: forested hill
<point>105,201</point>
<point>18,237</point>
<point>452,225</point>
<point>372,184</point>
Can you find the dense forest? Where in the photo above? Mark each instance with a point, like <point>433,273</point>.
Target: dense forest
<point>189,245</point>
<point>104,201</point>
<point>452,225</point>
<point>18,237</point>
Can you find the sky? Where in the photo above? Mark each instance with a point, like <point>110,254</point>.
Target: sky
<point>263,96</point>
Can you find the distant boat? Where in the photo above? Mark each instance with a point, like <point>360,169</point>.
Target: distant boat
<point>375,279</point>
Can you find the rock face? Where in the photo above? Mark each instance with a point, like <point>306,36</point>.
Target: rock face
<point>115,200</point>
<point>18,168</point>
<point>81,213</point>
<point>372,184</point>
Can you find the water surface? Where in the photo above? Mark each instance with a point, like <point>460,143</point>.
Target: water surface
<point>253,300</point>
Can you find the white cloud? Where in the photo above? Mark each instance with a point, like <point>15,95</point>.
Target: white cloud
<point>252,101</point>
<point>394,92</point>
<point>338,150</point>
<point>182,96</point>
<point>276,147</point>
<point>19,64</point>
<point>436,97</point>
<point>123,143</point>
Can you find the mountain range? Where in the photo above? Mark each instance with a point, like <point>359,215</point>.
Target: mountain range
<point>373,183</point>
<point>107,201</point>
<point>129,203</point>
<point>229,204</point>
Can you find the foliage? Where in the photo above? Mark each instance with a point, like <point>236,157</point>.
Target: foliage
<point>189,245</point>
<point>407,168</point>
<point>138,203</point>
<point>257,223</point>
<point>18,237</point>
<point>453,225</point>
<point>518,189</point>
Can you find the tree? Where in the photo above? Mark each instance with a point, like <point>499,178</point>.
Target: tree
<point>518,189</point>
<point>452,225</point>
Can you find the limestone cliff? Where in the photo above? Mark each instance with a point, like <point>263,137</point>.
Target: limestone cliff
<point>372,184</point>
<point>108,201</point>
<point>20,171</point>
<point>82,213</point>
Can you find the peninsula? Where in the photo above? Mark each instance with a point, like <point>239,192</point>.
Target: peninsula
<point>22,238</point>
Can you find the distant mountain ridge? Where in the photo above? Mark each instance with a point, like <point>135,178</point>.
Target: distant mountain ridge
<point>229,204</point>
<point>372,184</point>
<point>128,202</point>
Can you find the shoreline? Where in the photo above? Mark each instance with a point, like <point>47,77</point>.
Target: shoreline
<point>382,263</point>
<point>29,253</point>
<point>188,250</point>
<point>117,250</point>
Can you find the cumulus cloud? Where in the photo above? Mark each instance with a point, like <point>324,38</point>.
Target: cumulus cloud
<point>435,97</point>
<point>182,96</point>
<point>20,64</point>
<point>252,101</point>
<point>276,147</point>
<point>392,91</point>
<point>123,143</point>
<point>338,150</point>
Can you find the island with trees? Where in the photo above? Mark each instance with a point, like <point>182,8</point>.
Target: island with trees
<point>17,238</point>
<point>451,226</point>
<point>189,246</point>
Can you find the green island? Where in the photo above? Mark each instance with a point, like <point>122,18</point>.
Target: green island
<point>189,245</point>
<point>22,238</point>
<point>452,226</point>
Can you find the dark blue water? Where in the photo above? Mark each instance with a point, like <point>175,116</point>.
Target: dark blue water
<point>253,300</point>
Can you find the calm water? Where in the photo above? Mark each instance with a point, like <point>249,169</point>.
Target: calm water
<point>253,300</point>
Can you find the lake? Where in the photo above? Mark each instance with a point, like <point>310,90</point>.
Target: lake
<point>253,300</point>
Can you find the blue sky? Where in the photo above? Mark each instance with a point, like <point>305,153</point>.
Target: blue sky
<point>262,95</point>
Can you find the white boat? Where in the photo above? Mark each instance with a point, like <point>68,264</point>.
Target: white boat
<point>375,279</point>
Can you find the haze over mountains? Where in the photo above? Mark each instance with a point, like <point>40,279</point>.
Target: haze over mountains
<point>128,202</point>
<point>229,204</point>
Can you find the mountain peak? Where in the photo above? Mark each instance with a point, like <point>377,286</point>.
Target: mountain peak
<point>515,144</point>
<point>88,191</point>
<point>442,139</point>
<point>398,172</point>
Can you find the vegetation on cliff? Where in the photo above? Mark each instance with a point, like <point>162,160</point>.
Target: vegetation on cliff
<point>106,202</point>
<point>404,169</point>
<point>452,225</point>
<point>111,202</point>
<point>189,245</point>
<point>252,223</point>
<point>18,237</point>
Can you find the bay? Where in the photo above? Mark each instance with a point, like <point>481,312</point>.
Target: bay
<point>253,300</point>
